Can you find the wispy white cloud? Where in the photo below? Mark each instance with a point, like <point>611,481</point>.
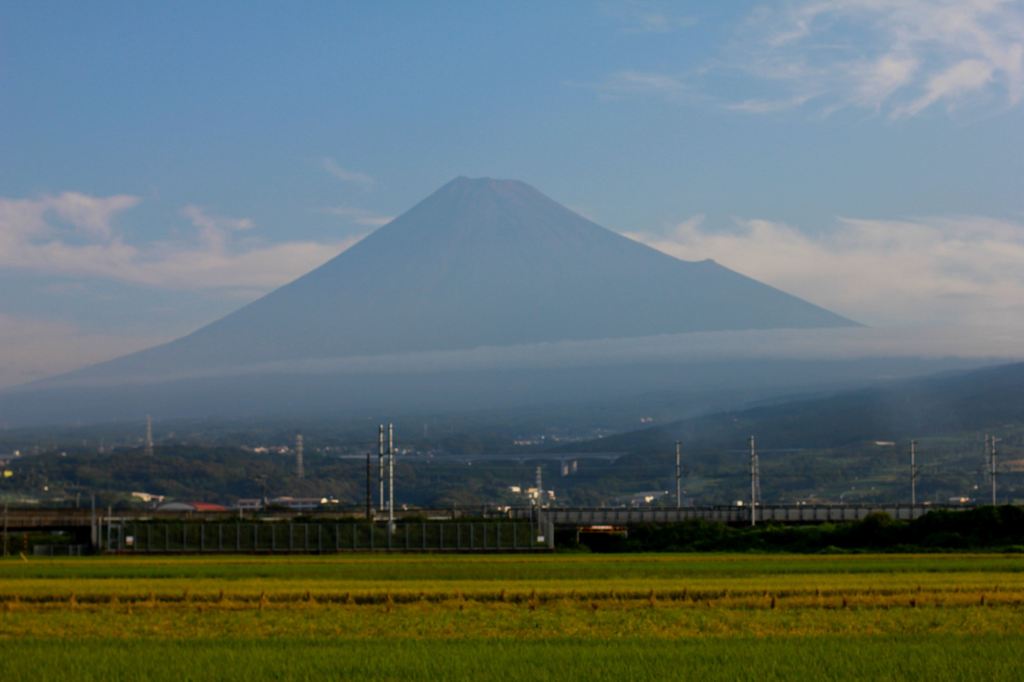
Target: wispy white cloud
<point>957,80</point>
<point>214,231</point>
<point>204,220</point>
<point>627,82</point>
<point>359,216</point>
<point>924,271</point>
<point>75,234</point>
<point>649,16</point>
<point>876,80</point>
<point>767,106</point>
<point>361,180</point>
<point>898,58</point>
<point>662,22</point>
<point>87,216</point>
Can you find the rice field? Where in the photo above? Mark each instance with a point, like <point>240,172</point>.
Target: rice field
<point>595,617</point>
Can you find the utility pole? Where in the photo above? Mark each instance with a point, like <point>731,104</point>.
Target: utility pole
<point>300,468</point>
<point>755,482</point>
<point>391,478</point>
<point>913,473</point>
<point>380,466</point>
<point>94,529</point>
<point>369,487</point>
<point>540,491</point>
<point>265,500</point>
<point>679,475</point>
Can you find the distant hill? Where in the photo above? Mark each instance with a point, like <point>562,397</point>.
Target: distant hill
<point>983,399</point>
<point>480,262</point>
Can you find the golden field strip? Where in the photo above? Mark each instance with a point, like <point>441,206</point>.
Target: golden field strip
<point>972,604</point>
<point>676,595</point>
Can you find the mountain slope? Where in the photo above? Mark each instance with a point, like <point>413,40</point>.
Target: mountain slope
<point>480,262</point>
<point>985,399</point>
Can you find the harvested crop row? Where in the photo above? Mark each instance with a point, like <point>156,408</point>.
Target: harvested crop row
<point>497,621</point>
<point>949,595</point>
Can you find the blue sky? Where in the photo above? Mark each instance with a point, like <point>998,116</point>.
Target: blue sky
<point>160,165</point>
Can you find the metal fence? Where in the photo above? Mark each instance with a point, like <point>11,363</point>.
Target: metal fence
<point>60,550</point>
<point>131,537</point>
<point>731,514</point>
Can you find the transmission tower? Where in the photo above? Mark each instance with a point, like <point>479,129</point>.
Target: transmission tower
<point>755,482</point>
<point>679,475</point>
<point>300,468</point>
<point>913,473</point>
<point>990,446</point>
<point>149,436</point>
<point>391,478</point>
<point>369,487</point>
<point>380,466</point>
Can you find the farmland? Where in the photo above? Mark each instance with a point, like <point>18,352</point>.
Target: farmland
<point>747,616</point>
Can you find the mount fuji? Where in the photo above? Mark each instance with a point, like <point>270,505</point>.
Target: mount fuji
<point>481,262</point>
<point>479,266</point>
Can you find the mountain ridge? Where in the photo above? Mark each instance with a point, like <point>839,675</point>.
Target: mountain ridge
<point>987,398</point>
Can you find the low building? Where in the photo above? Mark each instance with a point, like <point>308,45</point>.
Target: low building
<point>295,503</point>
<point>191,507</point>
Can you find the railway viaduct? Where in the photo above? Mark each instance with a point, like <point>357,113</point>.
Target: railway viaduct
<point>21,520</point>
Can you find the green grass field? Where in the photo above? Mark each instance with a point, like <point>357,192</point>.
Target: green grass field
<point>515,617</point>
